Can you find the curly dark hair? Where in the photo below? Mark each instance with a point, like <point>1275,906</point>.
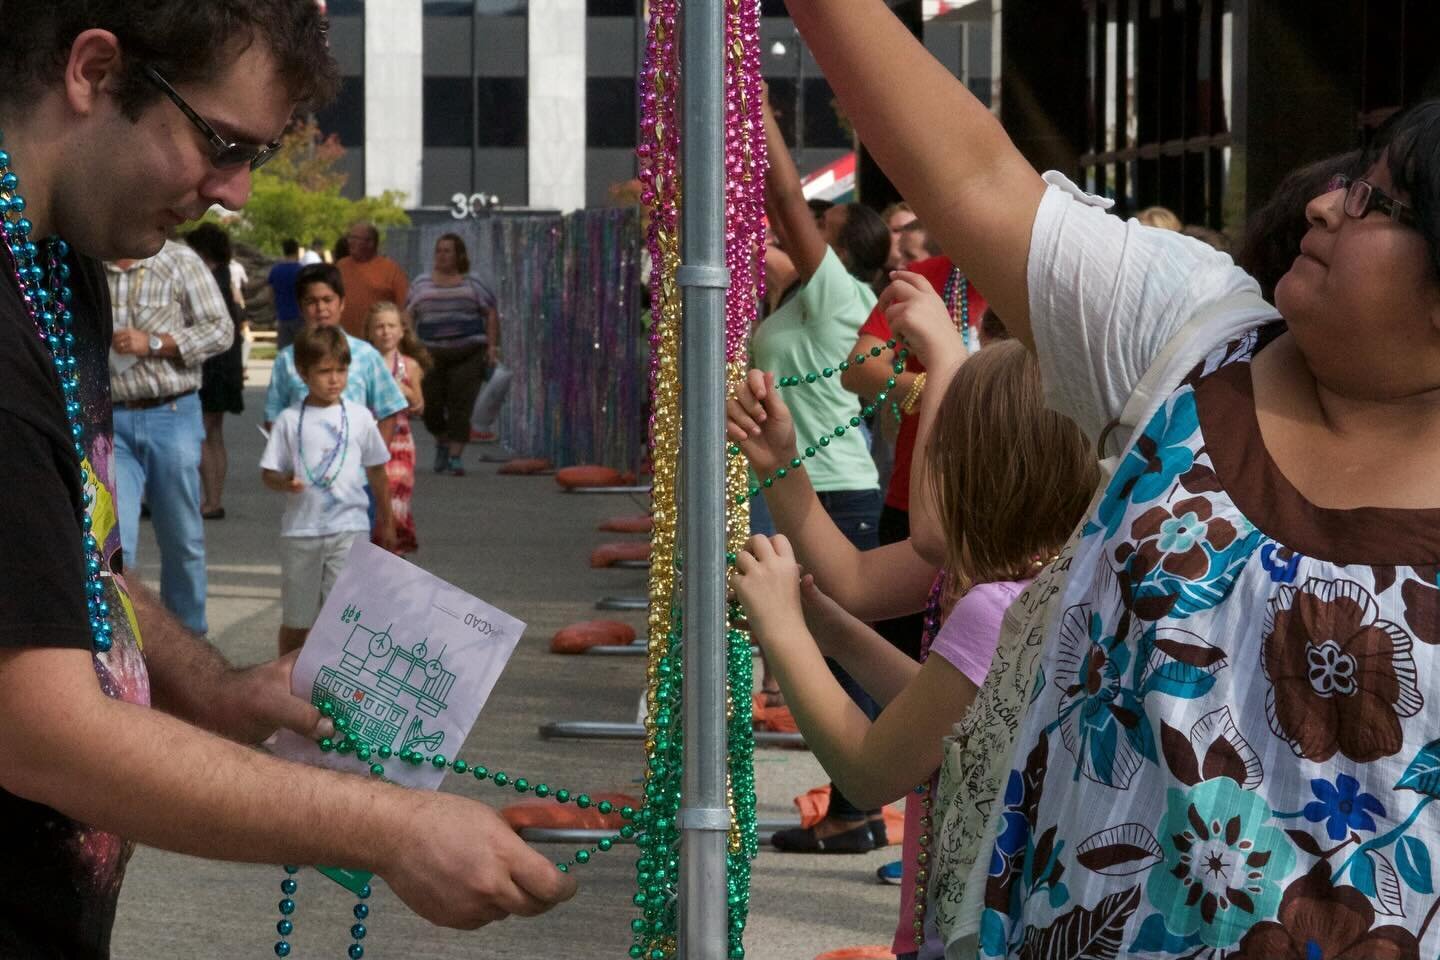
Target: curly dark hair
<point>1410,144</point>
<point>326,273</point>
<point>865,242</point>
<point>185,40</point>
<point>1271,241</point>
<point>212,243</point>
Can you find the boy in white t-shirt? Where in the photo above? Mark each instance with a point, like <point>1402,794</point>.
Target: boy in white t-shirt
<point>321,452</point>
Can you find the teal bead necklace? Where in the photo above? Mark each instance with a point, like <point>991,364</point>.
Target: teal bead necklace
<point>327,476</point>
<point>346,742</point>
<point>47,297</point>
<point>820,443</point>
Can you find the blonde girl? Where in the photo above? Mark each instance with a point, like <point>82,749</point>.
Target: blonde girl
<point>391,333</point>
<point>1000,484</point>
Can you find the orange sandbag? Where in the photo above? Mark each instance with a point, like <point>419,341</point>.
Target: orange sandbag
<point>776,719</point>
<point>858,953</point>
<point>643,523</point>
<point>568,816</point>
<point>813,804</point>
<point>609,554</point>
<point>588,475</point>
<point>526,467</point>
<point>579,637</point>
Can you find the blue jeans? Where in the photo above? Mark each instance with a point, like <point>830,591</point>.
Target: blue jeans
<point>157,458</point>
<point>857,514</point>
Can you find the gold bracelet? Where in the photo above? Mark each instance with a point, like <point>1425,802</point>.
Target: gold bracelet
<point>912,399</point>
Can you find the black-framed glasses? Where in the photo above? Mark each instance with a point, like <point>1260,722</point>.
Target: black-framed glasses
<point>1362,196</point>
<point>227,153</point>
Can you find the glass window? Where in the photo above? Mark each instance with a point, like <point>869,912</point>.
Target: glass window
<point>345,8</point>
<point>345,116</point>
<point>822,116</point>
<point>448,8</point>
<point>782,100</point>
<point>501,8</point>
<point>610,112</point>
<point>611,8</point>
<point>503,119</point>
<point>447,111</point>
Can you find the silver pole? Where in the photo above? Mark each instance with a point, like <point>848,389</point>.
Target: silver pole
<point>704,812</point>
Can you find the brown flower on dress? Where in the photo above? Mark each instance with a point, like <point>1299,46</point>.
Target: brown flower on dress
<point>1341,678</point>
<point>1422,604</point>
<point>1318,919</point>
<point>1172,539</point>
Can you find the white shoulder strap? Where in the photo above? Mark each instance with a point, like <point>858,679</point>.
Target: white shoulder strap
<point>1161,377</point>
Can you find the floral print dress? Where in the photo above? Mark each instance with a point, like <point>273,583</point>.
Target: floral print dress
<point>1229,752</point>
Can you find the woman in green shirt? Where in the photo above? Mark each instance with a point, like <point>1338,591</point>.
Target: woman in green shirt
<point>840,262</point>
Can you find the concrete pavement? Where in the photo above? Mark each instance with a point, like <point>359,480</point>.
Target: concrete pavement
<point>523,546</point>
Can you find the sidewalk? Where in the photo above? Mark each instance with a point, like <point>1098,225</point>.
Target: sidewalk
<point>524,546</point>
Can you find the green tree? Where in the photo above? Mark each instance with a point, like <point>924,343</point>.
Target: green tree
<point>297,196</point>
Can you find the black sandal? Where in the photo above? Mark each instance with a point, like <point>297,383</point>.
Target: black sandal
<point>803,840</point>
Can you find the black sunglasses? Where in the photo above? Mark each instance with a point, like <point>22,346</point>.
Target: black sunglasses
<point>227,154</point>
<point>1362,196</point>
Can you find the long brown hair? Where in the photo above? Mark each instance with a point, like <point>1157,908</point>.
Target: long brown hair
<point>410,344</point>
<point>462,256</point>
<point>1010,478</point>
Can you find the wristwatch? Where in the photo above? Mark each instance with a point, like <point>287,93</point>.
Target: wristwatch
<point>156,344</point>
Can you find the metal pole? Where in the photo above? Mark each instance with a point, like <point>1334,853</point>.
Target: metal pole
<point>704,811</point>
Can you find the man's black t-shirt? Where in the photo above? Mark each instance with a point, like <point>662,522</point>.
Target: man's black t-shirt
<point>59,880</point>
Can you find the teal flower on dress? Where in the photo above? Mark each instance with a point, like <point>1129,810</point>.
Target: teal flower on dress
<point>1179,534</point>
<point>1223,863</point>
<point>1155,461</point>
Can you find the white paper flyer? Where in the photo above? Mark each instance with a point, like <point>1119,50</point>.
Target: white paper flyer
<point>406,658</point>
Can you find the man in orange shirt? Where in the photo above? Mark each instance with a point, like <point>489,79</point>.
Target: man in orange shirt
<point>370,278</point>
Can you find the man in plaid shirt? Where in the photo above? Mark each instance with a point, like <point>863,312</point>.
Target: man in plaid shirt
<point>169,318</point>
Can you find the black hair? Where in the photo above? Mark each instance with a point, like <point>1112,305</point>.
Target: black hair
<point>865,242</point>
<point>1273,233</point>
<point>326,273</point>
<point>183,40</point>
<point>1410,142</point>
<point>819,207</point>
<point>212,243</point>
<point>992,326</point>
<point>289,247</point>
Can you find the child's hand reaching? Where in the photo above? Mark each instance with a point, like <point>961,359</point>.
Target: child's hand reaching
<point>827,620</point>
<point>767,583</point>
<point>916,313</point>
<point>757,420</point>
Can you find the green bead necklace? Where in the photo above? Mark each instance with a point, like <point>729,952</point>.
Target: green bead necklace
<point>346,742</point>
<point>821,442</point>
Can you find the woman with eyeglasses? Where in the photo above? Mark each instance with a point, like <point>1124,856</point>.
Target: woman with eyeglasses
<point>1209,728</point>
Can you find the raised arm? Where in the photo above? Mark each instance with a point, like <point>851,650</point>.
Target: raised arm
<point>874,763</point>
<point>918,314</point>
<point>785,204</point>
<point>888,581</point>
<point>944,151</point>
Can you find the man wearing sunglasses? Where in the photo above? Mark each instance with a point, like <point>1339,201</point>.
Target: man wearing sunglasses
<point>121,120</point>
